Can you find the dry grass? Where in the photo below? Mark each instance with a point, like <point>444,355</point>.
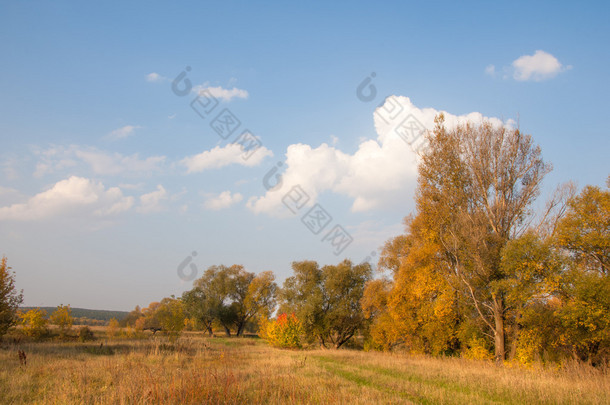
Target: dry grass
<point>199,370</point>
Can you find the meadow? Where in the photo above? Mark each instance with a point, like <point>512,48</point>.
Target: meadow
<point>197,369</point>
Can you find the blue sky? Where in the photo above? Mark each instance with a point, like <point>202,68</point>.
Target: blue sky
<point>109,180</point>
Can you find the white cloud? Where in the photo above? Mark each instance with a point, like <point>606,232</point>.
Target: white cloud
<point>537,67</point>
<point>152,202</point>
<point>57,158</point>
<point>222,201</point>
<point>222,93</point>
<point>380,173</point>
<point>154,77</point>
<point>490,70</point>
<point>223,156</point>
<point>122,132</point>
<point>72,196</point>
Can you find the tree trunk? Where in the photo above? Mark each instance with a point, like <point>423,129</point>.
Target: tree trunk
<point>499,338</point>
<point>227,331</point>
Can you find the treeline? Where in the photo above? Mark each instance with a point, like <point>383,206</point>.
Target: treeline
<point>325,300</point>
<point>83,316</point>
<point>477,273</point>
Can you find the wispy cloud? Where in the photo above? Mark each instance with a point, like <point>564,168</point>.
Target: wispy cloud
<point>57,158</point>
<point>224,156</point>
<point>154,77</point>
<point>490,70</point>
<point>222,200</point>
<point>123,132</point>
<point>222,93</point>
<point>153,201</point>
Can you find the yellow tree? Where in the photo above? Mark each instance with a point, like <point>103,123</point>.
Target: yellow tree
<point>113,328</point>
<point>422,305</point>
<point>584,233</point>
<point>34,322</point>
<point>62,318</point>
<point>475,187</point>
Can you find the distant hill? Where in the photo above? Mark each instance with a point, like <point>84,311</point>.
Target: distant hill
<point>98,314</point>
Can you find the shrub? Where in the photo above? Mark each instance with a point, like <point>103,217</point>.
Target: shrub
<point>85,334</point>
<point>285,331</point>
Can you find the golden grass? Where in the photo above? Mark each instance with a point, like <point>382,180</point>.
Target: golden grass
<point>197,370</point>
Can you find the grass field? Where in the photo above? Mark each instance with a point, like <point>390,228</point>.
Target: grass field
<point>198,370</point>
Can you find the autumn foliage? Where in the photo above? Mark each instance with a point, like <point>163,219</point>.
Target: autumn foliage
<point>285,331</point>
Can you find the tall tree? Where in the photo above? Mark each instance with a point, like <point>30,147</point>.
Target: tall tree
<point>475,188</point>
<point>10,298</point>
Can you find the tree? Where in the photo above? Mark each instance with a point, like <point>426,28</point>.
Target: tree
<point>422,307</point>
<point>132,317</point>
<point>113,328</point>
<point>170,315</point>
<point>35,322</point>
<point>327,300</point>
<point>584,289</point>
<point>260,301</point>
<point>585,230</point>
<point>230,296</point>
<point>62,317</point>
<point>531,268</point>
<point>475,187</point>
<point>201,307</point>
<point>10,299</point>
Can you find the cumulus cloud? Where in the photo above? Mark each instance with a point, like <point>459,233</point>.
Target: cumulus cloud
<point>218,157</point>
<point>122,132</point>
<point>72,196</point>
<point>153,201</point>
<point>537,67</point>
<point>381,172</point>
<point>57,158</point>
<point>222,200</point>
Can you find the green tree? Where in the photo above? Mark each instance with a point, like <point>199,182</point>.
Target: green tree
<point>171,314</point>
<point>10,298</point>
<point>62,318</point>
<point>230,296</point>
<point>326,300</point>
